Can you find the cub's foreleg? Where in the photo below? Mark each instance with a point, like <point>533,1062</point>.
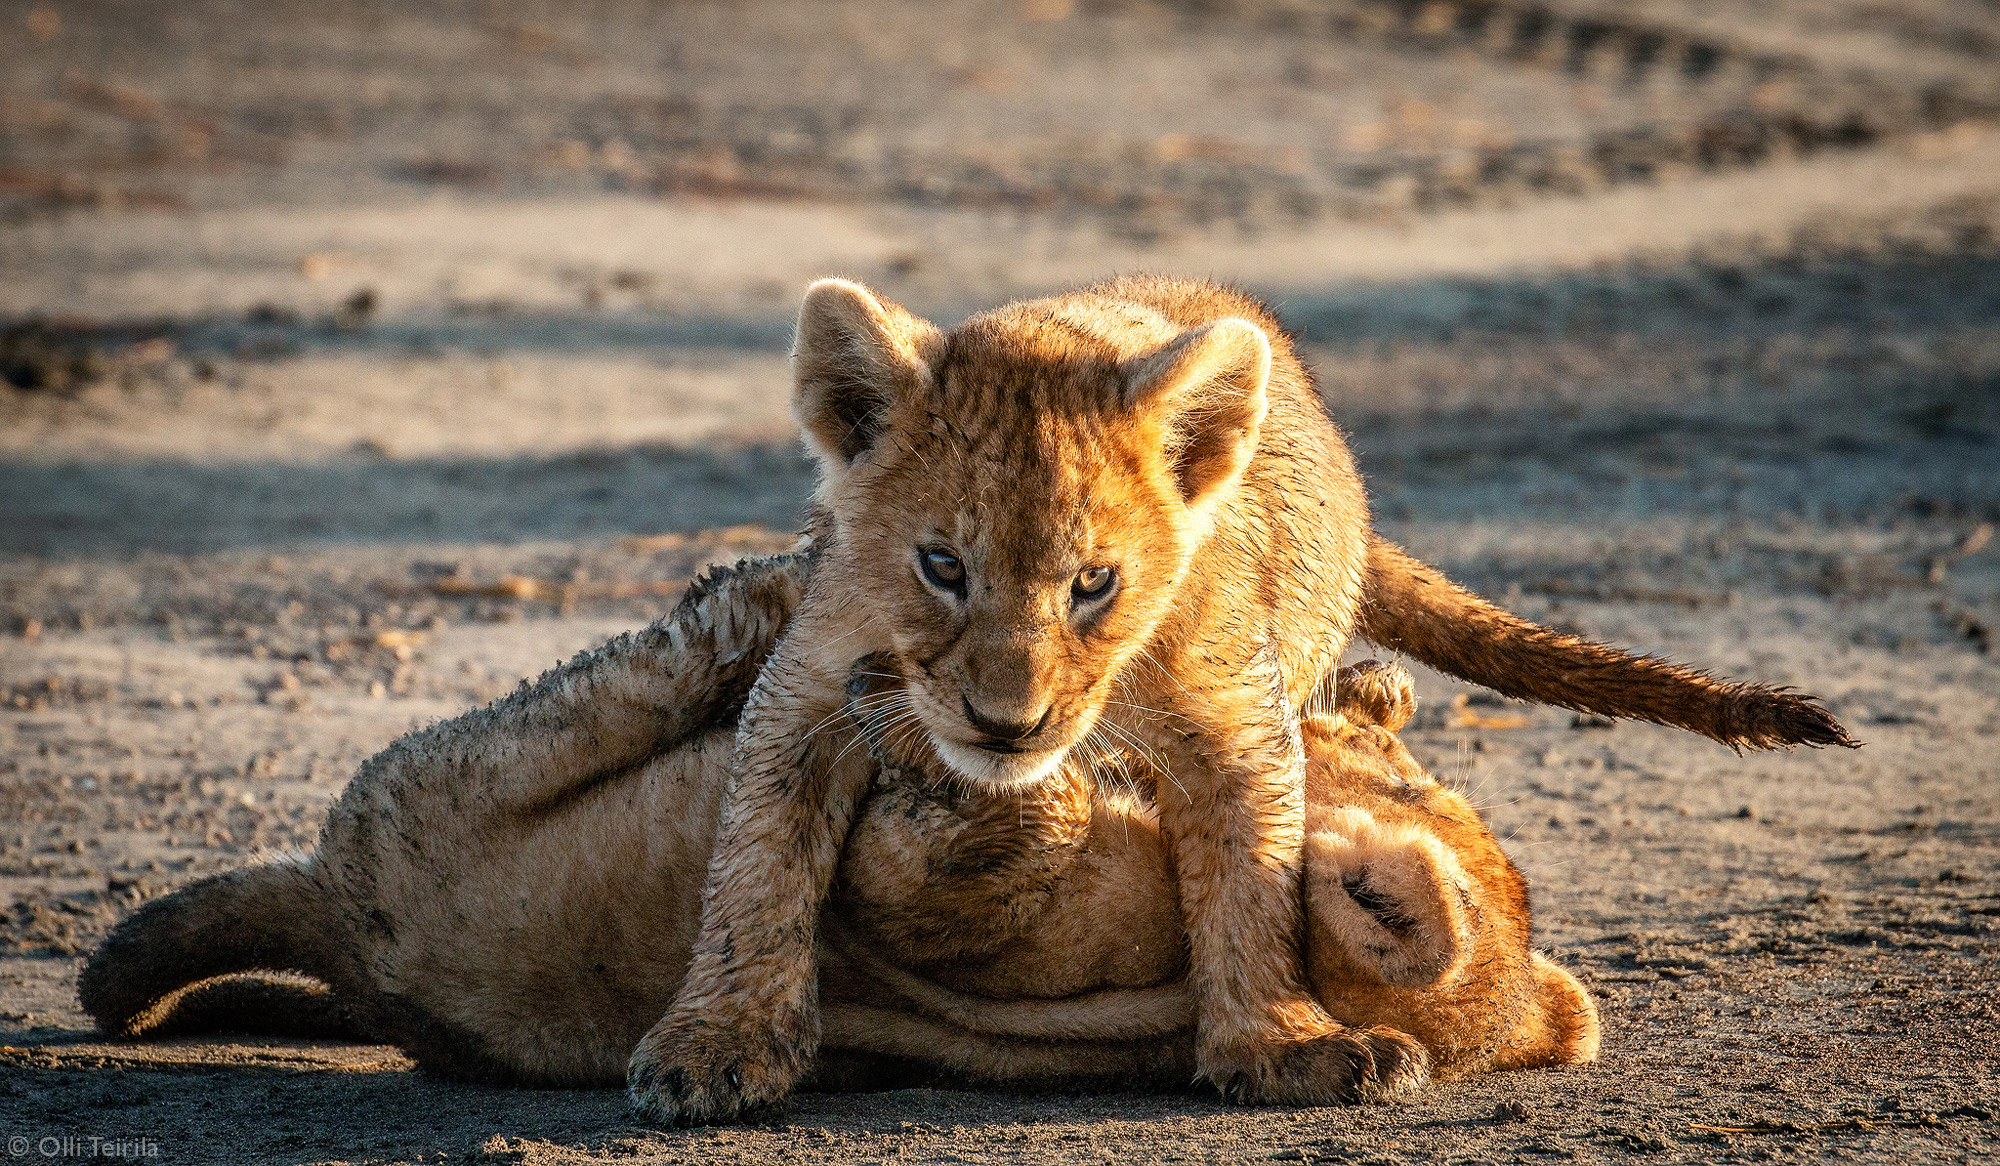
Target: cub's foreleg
<point>745,1025</point>
<point>1235,814</point>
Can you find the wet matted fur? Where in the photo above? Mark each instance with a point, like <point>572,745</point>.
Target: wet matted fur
<point>490,900</point>
<point>583,793</point>
<point>1120,513</point>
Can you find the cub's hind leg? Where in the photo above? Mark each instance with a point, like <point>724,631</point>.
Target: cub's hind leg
<point>270,918</point>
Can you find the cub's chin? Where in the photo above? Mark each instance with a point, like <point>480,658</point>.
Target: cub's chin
<point>998,771</point>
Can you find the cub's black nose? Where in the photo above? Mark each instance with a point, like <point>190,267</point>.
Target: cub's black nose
<point>1005,732</point>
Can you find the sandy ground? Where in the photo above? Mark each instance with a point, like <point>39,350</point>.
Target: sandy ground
<point>364,360</point>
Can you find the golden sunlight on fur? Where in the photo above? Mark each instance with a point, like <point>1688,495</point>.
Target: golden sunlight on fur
<point>1122,510</point>
<point>1112,530</point>
<point>498,912</point>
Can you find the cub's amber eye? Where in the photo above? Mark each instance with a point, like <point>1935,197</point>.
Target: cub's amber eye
<point>1094,582</point>
<point>942,569</point>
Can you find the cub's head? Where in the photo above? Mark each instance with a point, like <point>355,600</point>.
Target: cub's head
<point>1016,502</point>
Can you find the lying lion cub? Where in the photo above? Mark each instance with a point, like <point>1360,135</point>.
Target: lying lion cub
<point>512,895</point>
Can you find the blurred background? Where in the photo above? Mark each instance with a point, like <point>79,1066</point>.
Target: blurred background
<point>358,360</point>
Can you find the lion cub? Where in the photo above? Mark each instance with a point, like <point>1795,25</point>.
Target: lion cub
<point>1124,511</point>
<point>1122,507</point>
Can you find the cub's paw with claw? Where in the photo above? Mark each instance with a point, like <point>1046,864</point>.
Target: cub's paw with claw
<point>691,1073</point>
<point>1341,1066</point>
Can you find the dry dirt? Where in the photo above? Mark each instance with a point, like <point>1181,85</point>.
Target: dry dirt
<point>364,359</point>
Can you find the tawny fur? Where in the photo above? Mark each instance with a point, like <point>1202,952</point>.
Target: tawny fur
<point>1161,430</point>
<point>1124,416</point>
<point>514,945</point>
<point>1411,607</point>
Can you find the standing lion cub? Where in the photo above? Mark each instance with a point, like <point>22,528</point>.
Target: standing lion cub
<point>1122,509</point>
<point>1131,483</point>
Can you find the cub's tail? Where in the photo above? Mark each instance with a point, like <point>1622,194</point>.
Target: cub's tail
<point>1409,607</point>
<point>259,919</point>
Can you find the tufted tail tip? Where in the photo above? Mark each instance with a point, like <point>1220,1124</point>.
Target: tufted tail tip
<point>1781,719</point>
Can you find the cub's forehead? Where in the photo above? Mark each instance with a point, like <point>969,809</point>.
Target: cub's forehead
<point>1037,501</point>
<point>1046,426</point>
<point>1028,360</point>
<point>1024,442</point>
<point>1054,516</point>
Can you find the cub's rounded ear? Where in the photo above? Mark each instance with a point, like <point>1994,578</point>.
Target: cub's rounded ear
<point>1211,386</point>
<point>1389,900</point>
<point>854,357</point>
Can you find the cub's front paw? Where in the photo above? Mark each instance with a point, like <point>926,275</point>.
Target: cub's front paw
<point>690,1073</point>
<point>1341,1066</point>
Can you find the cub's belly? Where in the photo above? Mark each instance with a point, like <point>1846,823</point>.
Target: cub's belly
<point>558,939</point>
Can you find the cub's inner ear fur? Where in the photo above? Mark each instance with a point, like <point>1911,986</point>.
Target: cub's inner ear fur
<point>1211,383</point>
<point>1393,899</point>
<point>854,357</point>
